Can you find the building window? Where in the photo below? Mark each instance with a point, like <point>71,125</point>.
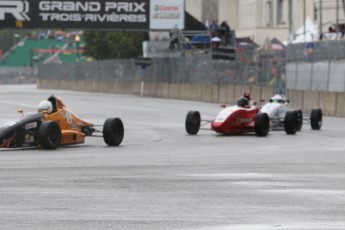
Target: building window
<point>269,13</point>
<point>280,12</point>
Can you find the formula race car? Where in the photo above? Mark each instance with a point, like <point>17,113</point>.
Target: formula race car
<point>54,125</point>
<point>243,117</point>
<point>283,117</point>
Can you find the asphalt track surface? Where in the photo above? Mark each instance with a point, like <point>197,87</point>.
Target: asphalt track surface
<point>162,178</point>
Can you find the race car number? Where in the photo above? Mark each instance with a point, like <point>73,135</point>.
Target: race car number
<point>68,118</point>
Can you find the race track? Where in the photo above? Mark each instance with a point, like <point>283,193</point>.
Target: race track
<point>162,178</point>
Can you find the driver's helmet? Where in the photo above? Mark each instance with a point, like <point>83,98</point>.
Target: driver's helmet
<point>247,95</point>
<point>243,102</point>
<point>277,99</point>
<point>45,106</point>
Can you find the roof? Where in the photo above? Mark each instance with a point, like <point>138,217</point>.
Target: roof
<point>192,24</point>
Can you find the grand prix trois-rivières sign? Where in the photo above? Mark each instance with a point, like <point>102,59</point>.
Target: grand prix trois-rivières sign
<point>75,14</point>
<point>99,14</point>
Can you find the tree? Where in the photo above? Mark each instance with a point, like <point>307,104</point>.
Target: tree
<point>113,45</point>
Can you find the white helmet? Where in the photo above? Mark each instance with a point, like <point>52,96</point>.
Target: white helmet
<point>278,98</point>
<point>45,105</point>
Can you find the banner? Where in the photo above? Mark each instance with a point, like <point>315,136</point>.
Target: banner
<point>100,14</point>
<point>166,14</point>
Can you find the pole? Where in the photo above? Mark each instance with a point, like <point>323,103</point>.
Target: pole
<point>304,19</point>
<point>337,18</point>
<point>77,40</point>
<point>290,22</point>
<point>320,27</point>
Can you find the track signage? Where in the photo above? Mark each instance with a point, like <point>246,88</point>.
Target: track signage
<point>111,14</point>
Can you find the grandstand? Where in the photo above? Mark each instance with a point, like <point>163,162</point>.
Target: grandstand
<point>44,49</point>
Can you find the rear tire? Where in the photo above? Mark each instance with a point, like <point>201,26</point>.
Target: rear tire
<point>49,135</point>
<point>113,131</point>
<point>299,120</point>
<point>193,121</point>
<point>291,122</point>
<point>316,119</point>
<point>262,124</point>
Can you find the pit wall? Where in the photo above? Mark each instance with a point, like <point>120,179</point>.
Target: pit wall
<point>332,103</point>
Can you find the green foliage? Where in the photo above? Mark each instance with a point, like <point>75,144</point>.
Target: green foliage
<point>113,45</point>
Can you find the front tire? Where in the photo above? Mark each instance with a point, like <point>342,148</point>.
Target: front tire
<point>316,119</point>
<point>291,122</point>
<point>193,121</point>
<point>262,124</point>
<point>113,131</point>
<point>49,135</point>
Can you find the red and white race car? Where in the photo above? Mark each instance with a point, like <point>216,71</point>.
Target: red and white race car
<point>240,118</point>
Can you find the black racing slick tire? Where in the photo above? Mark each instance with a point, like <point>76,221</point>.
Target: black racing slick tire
<point>49,135</point>
<point>316,119</point>
<point>262,124</point>
<point>193,121</point>
<point>291,122</point>
<point>113,131</point>
<point>299,120</point>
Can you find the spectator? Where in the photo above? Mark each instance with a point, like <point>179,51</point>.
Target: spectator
<point>224,32</point>
<point>331,30</point>
<point>214,28</point>
<point>175,38</point>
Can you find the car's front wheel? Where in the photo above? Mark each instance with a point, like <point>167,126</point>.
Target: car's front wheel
<point>193,121</point>
<point>113,131</point>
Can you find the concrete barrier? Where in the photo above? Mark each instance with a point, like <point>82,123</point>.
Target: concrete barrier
<point>328,103</point>
<point>331,103</point>
<point>266,93</point>
<point>340,105</point>
<point>311,99</point>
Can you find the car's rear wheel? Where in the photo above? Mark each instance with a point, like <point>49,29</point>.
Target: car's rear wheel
<point>193,121</point>
<point>262,124</point>
<point>113,131</point>
<point>49,135</point>
<point>299,120</point>
<point>291,122</point>
<point>316,119</point>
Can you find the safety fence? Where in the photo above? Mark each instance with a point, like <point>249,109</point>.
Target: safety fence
<point>316,51</point>
<point>17,75</point>
<point>185,69</point>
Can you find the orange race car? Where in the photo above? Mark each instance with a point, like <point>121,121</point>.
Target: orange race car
<point>54,125</point>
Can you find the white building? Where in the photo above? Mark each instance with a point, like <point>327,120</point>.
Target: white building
<point>262,19</point>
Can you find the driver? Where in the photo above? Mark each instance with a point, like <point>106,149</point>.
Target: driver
<point>45,106</point>
<point>247,95</point>
<point>250,102</point>
<point>279,98</point>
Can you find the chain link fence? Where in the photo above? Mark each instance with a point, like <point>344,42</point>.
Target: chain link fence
<point>317,66</point>
<point>316,51</point>
<point>187,69</point>
<point>23,75</point>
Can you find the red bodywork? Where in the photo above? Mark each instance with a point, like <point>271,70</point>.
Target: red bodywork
<point>235,119</point>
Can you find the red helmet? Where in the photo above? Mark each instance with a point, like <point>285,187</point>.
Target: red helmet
<point>247,95</point>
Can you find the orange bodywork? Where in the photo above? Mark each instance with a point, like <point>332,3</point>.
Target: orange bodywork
<point>70,124</point>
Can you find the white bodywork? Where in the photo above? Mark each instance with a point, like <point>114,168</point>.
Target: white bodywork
<point>225,113</point>
<point>277,107</point>
<point>222,115</point>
